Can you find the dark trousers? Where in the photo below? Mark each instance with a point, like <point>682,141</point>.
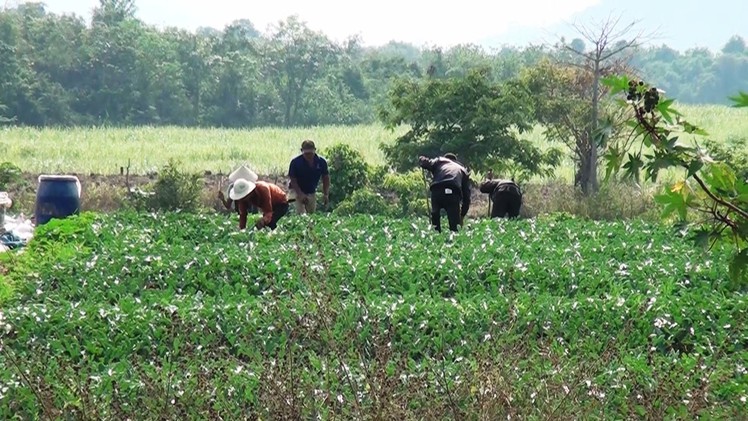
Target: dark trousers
<point>506,203</point>
<point>279,211</point>
<point>449,202</point>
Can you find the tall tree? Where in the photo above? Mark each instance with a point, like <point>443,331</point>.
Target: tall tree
<point>608,41</point>
<point>296,56</point>
<point>736,45</point>
<point>9,69</point>
<point>471,116</point>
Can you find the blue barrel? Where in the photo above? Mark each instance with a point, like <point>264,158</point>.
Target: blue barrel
<point>58,196</point>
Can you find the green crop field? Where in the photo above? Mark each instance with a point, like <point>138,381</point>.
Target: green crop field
<point>177,316</point>
<point>104,151</point>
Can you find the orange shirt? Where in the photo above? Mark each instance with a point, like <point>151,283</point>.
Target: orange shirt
<point>263,197</point>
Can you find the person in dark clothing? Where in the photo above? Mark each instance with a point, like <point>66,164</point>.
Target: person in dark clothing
<point>305,172</point>
<point>505,195</point>
<point>450,188</point>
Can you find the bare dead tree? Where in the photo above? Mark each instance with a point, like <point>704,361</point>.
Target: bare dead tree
<point>610,41</point>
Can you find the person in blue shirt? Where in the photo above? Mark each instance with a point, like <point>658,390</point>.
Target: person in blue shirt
<point>305,171</point>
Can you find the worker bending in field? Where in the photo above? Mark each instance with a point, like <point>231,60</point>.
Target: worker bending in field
<point>505,195</point>
<point>449,188</point>
<point>241,172</point>
<point>269,198</point>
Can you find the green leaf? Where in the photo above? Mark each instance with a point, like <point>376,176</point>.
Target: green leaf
<point>692,129</point>
<point>614,158</point>
<point>741,190</point>
<point>664,109</point>
<point>739,268</point>
<point>701,238</point>
<point>721,177</point>
<point>675,199</point>
<point>740,100</point>
<point>694,167</point>
<point>616,83</point>
<point>634,165</point>
<point>647,140</point>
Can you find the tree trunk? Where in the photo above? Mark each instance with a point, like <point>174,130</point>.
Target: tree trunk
<point>196,103</point>
<point>591,185</point>
<point>582,176</point>
<point>287,112</point>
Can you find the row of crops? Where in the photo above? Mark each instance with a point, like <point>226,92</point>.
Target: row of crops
<point>181,316</point>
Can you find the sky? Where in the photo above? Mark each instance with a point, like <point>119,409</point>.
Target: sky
<point>419,22</point>
<point>692,23</point>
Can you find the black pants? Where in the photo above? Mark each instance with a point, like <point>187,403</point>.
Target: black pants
<point>449,202</point>
<point>279,211</point>
<point>506,203</point>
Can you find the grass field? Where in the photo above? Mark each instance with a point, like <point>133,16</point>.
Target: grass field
<point>267,150</point>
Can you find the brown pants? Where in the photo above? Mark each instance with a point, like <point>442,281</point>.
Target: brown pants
<point>309,207</point>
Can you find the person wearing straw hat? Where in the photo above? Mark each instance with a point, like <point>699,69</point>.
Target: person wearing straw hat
<point>241,172</point>
<point>269,198</point>
<point>305,172</point>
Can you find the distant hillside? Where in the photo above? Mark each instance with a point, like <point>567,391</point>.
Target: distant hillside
<point>682,25</point>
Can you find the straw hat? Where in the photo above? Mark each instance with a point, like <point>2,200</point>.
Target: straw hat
<point>243,172</point>
<point>241,189</point>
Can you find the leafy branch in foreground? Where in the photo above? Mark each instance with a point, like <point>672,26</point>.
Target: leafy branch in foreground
<point>709,187</point>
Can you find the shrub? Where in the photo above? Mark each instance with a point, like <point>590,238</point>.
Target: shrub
<point>348,171</point>
<point>9,174</point>
<point>173,190</point>
<point>411,190</point>
<point>363,201</point>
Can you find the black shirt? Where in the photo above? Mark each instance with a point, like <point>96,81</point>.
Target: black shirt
<point>449,174</point>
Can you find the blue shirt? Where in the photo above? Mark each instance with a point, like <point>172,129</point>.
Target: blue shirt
<point>307,176</point>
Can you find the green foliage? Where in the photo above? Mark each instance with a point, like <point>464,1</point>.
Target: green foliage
<point>295,56</point>
<point>179,316</point>
<point>411,189</point>
<point>348,169</point>
<point>471,116</point>
<point>716,190</point>
<point>740,100</point>
<point>173,190</point>
<point>61,70</point>
<point>377,173</point>
<point>9,174</point>
<point>563,103</point>
<point>363,201</point>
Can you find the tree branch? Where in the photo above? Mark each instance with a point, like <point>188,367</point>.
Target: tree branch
<point>724,203</point>
<point>656,137</point>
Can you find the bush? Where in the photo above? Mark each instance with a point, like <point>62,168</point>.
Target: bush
<point>411,190</point>
<point>363,201</point>
<point>348,171</point>
<point>377,173</point>
<point>173,190</point>
<point>9,174</point>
